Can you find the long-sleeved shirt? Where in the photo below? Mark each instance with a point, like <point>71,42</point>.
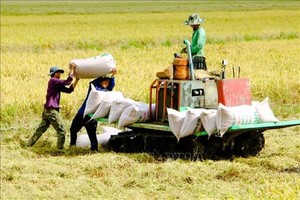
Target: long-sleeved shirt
<point>97,84</point>
<point>198,42</point>
<point>55,87</point>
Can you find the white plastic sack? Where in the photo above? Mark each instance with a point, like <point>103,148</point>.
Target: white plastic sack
<point>83,141</point>
<point>103,139</point>
<point>254,103</point>
<point>117,107</point>
<point>208,119</point>
<point>104,107</point>
<point>94,67</point>
<point>112,130</point>
<point>135,113</point>
<point>192,122</point>
<point>237,115</point>
<point>176,119</point>
<point>264,111</point>
<point>105,136</point>
<point>93,101</point>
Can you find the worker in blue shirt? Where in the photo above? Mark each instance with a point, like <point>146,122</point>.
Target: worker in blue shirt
<point>100,84</point>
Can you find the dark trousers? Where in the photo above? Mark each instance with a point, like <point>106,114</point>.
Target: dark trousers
<point>199,62</point>
<point>90,125</point>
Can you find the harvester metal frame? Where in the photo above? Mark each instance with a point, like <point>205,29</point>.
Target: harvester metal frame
<point>155,136</point>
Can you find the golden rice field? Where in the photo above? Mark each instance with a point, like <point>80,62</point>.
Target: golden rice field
<point>260,37</point>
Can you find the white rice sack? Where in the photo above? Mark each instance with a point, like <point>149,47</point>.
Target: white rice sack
<point>104,107</point>
<point>265,113</point>
<point>254,103</point>
<point>192,122</point>
<point>83,140</point>
<point>135,113</point>
<point>176,119</point>
<point>104,137</point>
<point>117,107</point>
<point>208,119</point>
<point>94,67</point>
<point>237,115</point>
<point>111,130</point>
<point>93,101</point>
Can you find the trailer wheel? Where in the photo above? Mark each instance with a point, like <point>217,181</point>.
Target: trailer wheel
<point>248,144</point>
<point>208,148</point>
<point>198,150</point>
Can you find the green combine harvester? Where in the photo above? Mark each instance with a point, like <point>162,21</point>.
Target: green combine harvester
<point>156,138</point>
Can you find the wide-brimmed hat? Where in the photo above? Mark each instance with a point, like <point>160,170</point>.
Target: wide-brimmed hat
<point>55,69</point>
<point>194,19</point>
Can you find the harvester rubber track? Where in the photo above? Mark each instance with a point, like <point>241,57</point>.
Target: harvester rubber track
<point>164,144</point>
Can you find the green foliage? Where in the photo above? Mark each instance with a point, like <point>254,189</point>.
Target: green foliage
<point>143,44</point>
<point>284,35</point>
<point>93,45</point>
<point>8,114</point>
<point>137,44</point>
<point>167,43</point>
<point>51,8</point>
<point>78,173</point>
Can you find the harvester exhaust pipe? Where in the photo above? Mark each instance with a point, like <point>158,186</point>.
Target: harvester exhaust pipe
<point>224,64</point>
<point>191,65</point>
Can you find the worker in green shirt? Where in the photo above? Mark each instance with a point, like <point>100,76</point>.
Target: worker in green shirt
<point>197,48</point>
<point>198,41</point>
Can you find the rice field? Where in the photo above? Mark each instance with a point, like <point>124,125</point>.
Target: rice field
<point>261,37</point>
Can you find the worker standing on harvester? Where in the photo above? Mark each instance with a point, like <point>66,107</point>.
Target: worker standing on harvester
<point>198,41</point>
<point>197,47</point>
